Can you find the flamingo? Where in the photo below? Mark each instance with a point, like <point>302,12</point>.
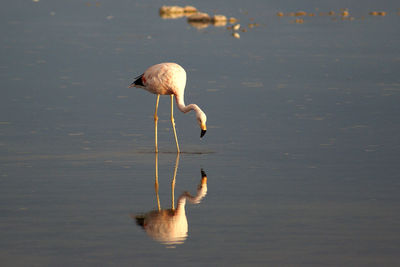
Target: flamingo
<point>170,226</point>
<point>169,79</point>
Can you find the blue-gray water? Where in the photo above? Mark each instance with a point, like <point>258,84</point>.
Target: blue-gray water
<point>301,152</point>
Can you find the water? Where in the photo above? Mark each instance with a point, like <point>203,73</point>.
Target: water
<point>301,152</point>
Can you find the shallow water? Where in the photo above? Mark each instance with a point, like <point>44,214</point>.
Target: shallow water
<point>301,152</point>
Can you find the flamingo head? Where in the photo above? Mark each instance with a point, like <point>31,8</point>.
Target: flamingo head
<point>201,120</point>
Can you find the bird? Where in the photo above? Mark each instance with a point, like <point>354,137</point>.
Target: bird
<point>169,78</point>
<point>170,226</point>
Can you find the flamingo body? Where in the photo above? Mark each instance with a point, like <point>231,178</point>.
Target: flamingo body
<point>163,79</point>
<point>169,79</point>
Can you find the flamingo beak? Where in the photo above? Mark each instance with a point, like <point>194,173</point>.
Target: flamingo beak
<point>203,177</point>
<point>132,85</point>
<point>203,130</point>
<point>203,173</point>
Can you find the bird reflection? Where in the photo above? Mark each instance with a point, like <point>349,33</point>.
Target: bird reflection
<point>170,226</point>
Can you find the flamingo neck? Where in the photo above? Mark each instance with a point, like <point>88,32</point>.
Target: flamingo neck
<point>180,207</point>
<point>201,193</point>
<point>185,109</point>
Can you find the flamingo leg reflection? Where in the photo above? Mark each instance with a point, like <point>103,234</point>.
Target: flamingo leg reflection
<point>156,184</point>
<point>173,182</point>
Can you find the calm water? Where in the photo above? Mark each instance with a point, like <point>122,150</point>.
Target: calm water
<point>301,153</point>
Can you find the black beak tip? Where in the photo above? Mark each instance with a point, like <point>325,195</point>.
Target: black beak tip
<point>203,132</point>
<point>203,173</point>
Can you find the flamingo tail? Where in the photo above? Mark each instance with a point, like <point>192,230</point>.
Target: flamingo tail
<point>138,82</point>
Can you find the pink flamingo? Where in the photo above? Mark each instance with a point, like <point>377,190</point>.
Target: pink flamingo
<point>170,226</point>
<point>169,79</point>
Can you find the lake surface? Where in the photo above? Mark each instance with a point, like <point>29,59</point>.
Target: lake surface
<point>301,153</point>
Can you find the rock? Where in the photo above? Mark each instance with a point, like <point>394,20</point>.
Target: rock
<point>199,17</point>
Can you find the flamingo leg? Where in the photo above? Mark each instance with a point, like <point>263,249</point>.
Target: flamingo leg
<point>173,123</point>
<point>173,182</point>
<point>155,124</point>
